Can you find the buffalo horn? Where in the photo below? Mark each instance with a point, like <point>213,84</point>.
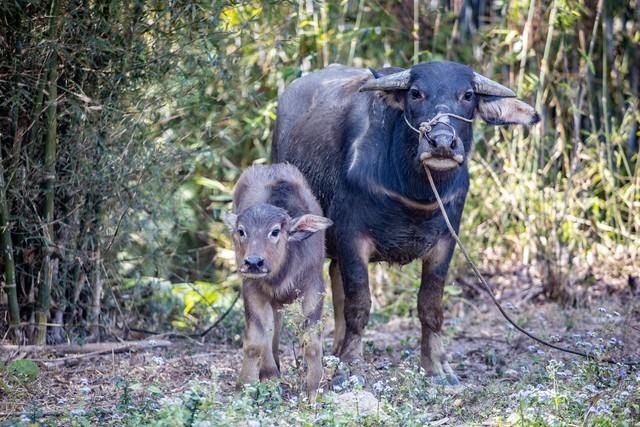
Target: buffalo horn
<point>485,86</point>
<point>395,81</point>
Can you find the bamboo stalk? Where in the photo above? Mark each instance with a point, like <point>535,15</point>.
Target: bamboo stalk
<point>44,290</point>
<point>525,44</point>
<point>356,28</point>
<point>96,298</point>
<point>416,31</point>
<point>544,70</point>
<point>7,254</point>
<point>324,36</point>
<point>436,30</point>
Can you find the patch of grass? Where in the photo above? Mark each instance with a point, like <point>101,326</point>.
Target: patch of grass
<point>545,393</point>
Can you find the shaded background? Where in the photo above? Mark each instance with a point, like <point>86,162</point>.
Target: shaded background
<point>124,124</point>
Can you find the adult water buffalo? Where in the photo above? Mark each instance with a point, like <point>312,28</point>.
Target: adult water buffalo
<point>362,138</point>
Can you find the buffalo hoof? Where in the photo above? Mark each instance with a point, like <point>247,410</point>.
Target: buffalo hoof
<point>447,379</point>
<point>351,351</point>
<point>269,374</point>
<point>339,381</point>
<point>353,374</point>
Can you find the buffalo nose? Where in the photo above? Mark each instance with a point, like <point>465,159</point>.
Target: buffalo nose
<point>443,140</point>
<point>254,261</point>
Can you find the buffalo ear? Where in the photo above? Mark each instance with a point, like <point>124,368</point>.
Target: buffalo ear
<point>230,220</point>
<point>498,110</point>
<point>394,99</point>
<point>391,84</point>
<point>304,226</point>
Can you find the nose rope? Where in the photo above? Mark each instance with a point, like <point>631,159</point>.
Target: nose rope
<point>426,127</point>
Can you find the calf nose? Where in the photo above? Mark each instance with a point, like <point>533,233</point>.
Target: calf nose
<point>254,261</point>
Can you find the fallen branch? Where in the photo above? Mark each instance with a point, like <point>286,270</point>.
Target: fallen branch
<point>87,349</point>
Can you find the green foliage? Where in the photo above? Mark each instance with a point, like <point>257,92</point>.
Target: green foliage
<point>161,106</point>
<point>23,370</point>
<point>549,393</point>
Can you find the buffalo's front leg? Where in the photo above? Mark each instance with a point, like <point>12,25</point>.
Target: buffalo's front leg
<point>312,301</point>
<point>337,296</point>
<point>434,272</point>
<point>353,258</point>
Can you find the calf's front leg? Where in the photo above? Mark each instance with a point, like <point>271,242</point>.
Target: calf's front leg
<point>277,321</point>
<point>434,272</point>
<point>257,360</point>
<point>312,341</point>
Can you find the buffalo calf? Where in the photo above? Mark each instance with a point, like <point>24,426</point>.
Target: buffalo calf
<point>277,230</point>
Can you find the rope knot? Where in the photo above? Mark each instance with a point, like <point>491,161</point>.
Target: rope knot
<point>425,128</point>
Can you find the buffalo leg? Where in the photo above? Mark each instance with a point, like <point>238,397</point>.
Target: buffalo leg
<point>337,291</point>
<point>312,341</point>
<point>357,304</point>
<point>434,271</point>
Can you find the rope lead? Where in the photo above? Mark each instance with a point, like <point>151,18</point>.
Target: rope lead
<point>493,298</point>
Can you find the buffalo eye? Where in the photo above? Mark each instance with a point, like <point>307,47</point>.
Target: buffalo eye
<point>416,94</point>
<point>468,95</point>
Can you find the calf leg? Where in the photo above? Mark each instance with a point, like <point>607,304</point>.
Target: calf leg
<point>257,360</point>
<point>337,291</point>
<point>277,321</point>
<point>312,340</point>
<point>434,271</point>
<point>353,259</point>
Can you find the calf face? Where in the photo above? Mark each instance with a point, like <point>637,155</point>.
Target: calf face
<point>261,235</point>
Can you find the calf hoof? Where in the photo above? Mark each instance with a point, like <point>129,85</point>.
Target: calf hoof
<point>336,348</point>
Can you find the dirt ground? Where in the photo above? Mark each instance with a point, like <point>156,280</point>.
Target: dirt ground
<point>483,350</point>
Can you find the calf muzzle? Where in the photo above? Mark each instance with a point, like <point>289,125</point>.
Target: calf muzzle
<point>254,265</point>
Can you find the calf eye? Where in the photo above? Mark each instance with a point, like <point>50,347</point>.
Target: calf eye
<point>468,95</point>
<point>241,232</point>
<point>416,94</point>
<point>275,233</point>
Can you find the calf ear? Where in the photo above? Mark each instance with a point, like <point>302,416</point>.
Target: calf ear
<point>230,220</point>
<point>304,226</point>
<point>498,110</point>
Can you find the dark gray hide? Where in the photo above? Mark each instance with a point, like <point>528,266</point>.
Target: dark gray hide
<point>344,129</point>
